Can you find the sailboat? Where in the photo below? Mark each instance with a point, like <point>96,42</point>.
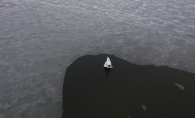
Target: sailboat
<point>108,63</point>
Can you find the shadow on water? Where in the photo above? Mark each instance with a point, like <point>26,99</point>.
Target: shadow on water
<point>127,91</point>
<point>107,71</point>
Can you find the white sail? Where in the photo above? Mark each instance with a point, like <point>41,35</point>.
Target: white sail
<point>108,63</point>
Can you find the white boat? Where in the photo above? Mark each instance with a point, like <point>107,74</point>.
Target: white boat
<point>108,63</point>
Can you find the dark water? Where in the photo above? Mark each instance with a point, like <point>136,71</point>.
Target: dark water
<point>127,91</point>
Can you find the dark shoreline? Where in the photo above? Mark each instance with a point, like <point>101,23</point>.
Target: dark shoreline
<point>128,90</point>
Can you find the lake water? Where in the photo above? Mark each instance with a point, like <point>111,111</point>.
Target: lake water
<point>39,39</point>
<point>126,91</point>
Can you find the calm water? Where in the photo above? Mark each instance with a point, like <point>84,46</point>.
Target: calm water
<point>127,91</point>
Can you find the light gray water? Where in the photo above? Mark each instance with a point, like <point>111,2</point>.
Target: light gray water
<point>39,39</point>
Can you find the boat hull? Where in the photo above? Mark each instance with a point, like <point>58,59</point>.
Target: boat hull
<point>106,66</point>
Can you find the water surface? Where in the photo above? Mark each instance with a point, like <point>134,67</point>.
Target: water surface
<point>128,90</point>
